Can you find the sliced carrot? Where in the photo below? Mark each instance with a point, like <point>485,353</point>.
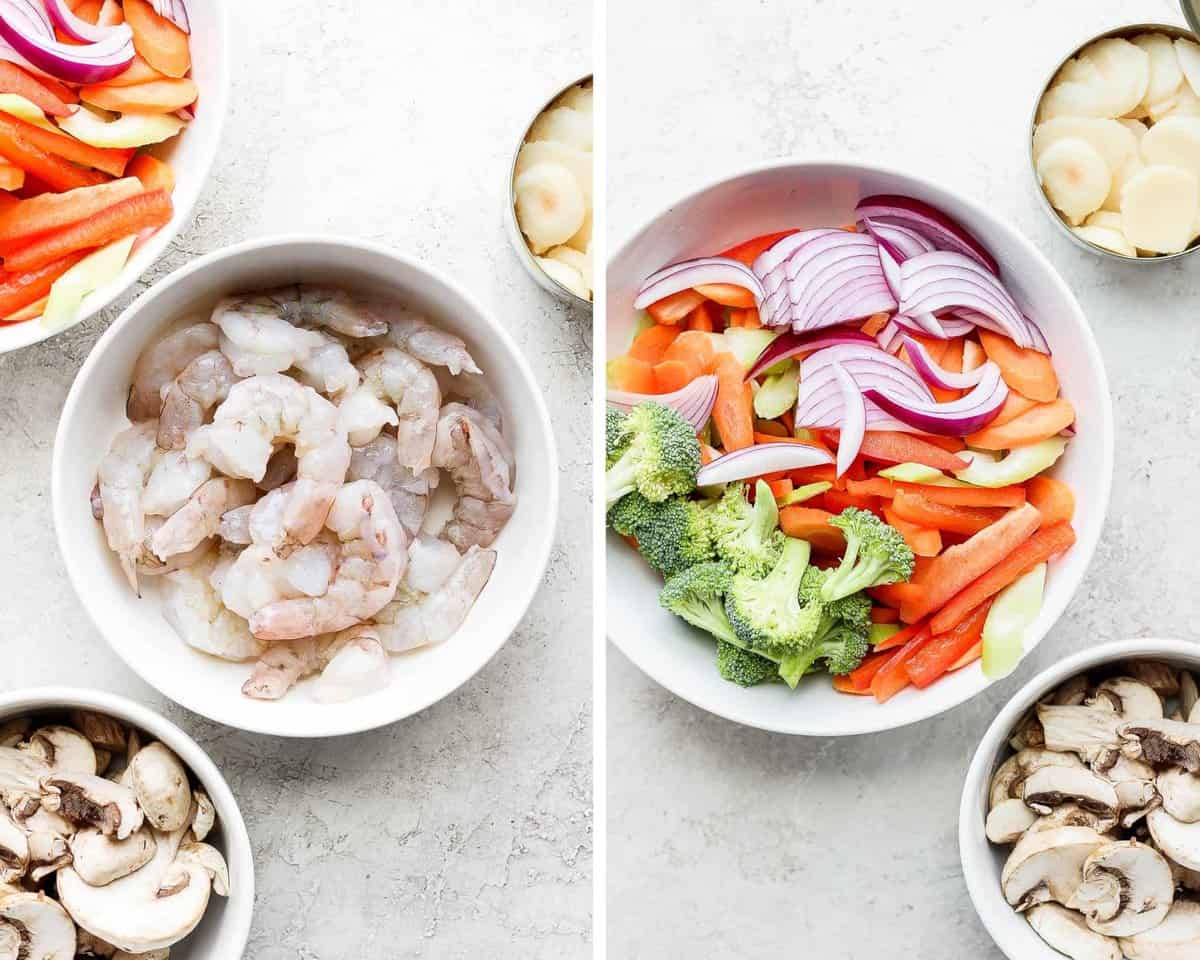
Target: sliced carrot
<point>1014,405</point>
<point>872,487</point>
<point>811,524</point>
<point>52,170</point>
<point>860,678</point>
<point>692,348</point>
<point>110,14</point>
<point>19,289</point>
<point>884,614</point>
<point>949,444</point>
<point>11,177</point>
<point>901,637</point>
<point>936,657</point>
<point>15,80</point>
<point>958,565</point>
<point>1026,371</point>
<point>139,71</point>
<point>157,39</point>
<point>896,595</point>
<point>943,516</point>
<point>733,412</point>
<point>25,314</point>
<point>874,323</point>
<point>967,658</point>
<point>649,345</point>
<point>727,294</point>
<point>632,375</point>
<point>923,541</point>
<point>1033,426</point>
<point>1012,496</point>
<point>1053,498</point>
<point>844,684</point>
<point>1046,543</point>
<point>672,375</point>
<point>111,161</point>
<point>676,307</point>
<point>36,216</point>
<point>705,318</point>
<point>158,96</point>
<point>749,251</point>
<point>87,10</point>
<point>780,488</point>
<point>893,675</point>
<point>891,447</point>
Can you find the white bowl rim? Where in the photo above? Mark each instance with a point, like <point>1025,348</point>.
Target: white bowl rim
<point>975,859</point>
<point>206,772</point>
<point>1086,546</point>
<point>537,562</point>
<point>152,252</point>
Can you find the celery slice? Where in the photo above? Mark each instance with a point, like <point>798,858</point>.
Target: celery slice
<point>129,130</point>
<point>919,473</point>
<point>881,631</point>
<point>747,344</point>
<point>1013,610</point>
<point>17,106</point>
<point>88,275</point>
<point>1021,463</point>
<point>806,492</point>
<point>778,393</point>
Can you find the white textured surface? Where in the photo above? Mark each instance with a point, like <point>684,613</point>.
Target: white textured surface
<point>726,842</point>
<point>465,831</point>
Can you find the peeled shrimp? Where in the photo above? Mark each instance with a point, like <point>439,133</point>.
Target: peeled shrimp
<point>430,563</point>
<point>473,451</point>
<point>258,340</point>
<point>372,556</point>
<point>235,525</point>
<point>409,491</point>
<point>200,517</point>
<point>328,368</point>
<point>123,475</point>
<point>262,411</point>
<point>435,617</point>
<point>192,605</point>
<point>188,399</point>
<point>162,362</point>
<point>151,566</point>
<point>260,576</point>
<point>327,307</point>
<point>351,663</point>
<point>413,333</point>
<point>172,480</point>
<point>471,389</point>
<point>391,375</point>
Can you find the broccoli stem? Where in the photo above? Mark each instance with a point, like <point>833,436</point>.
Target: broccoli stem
<point>620,479</point>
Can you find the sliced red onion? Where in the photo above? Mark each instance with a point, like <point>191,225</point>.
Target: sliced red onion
<point>935,225</point>
<point>854,419</point>
<point>958,417</point>
<point>86,63</point>
<point>939,376</point>
<point>694,402</point>
<point>900,242</point>
<point>186,114</point>
<point>77,28</point>
<point>779,252</point>
<point>694,273</point>
<point>791,344</point>
<point>819,401</point>
<point>955,326</point>
<point>31,15</point>
<point>1040,343</point>
<point>759,459</point>
<point>890,336</point>
<point>175,11</point>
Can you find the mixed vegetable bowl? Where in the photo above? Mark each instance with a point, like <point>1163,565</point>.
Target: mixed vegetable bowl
<point>836,446</point>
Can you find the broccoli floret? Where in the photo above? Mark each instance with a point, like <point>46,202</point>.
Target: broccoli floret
<point>697,595</point>
<point>673,535</point>
<point>615,438</point>
<point>661,455</point>
<point>766,614</point>
<point>630,512</point>
<point>743,667</point>
<point>854,609</point>
<point>841,634</point>
<point>875,554</point>
<point>746,534</point>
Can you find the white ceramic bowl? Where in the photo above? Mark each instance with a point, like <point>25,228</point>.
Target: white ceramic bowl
<point>982,860</point>
<point>795,194</point>
<point>95,412</point>
<point>223,932</point>
<point>191,155</point>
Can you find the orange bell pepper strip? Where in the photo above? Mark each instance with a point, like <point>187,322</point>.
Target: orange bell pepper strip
<point>153,173</point>
<point>15,80</point>
<point>895,595</point>
<point>158,96</point>
<point>893,675</point>
<point>649,345</point>
<point>675,308</point>
<point>892,447</point>
<point>36,216</point>
<point>914,508</point>
<point>733,411</point>
<point>844,684</point>
<point>749,251</point>
<point>1026,371</point>
<point>811,524</point>
<point>122,219</point>
<point>872,487</point>
<point>835,501</point>
<point>923,541</point>
<point>1053,498</point>
<point>54,171</point>
<point>727,295</point>
<point>18,290</point>
<point>111,160</point>
<point>1033,426</point>
<point>935,658</point>
<point>163,45</point>
<point>1046,543</point>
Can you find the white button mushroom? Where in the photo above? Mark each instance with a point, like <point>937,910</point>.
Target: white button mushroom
<point>1127,888</point>
<point>1131,698</point>
<point>1163,742</point>
<point>1180,793</point>
<point>1176,938</point>
<point>1053,786</point>
<point>1066,932</point>
<point>1090,732</point>
<point>1008,820</point>
<point>46,932</point>
<point>62,749</point>
<point>1047,865</point>
<point>14,849</point>
<point>1179,841</point>
<point>160,783</point>
<point>100,860</point>
<point>93,801</point>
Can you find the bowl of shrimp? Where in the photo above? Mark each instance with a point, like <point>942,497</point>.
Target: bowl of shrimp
<point>305,486</point>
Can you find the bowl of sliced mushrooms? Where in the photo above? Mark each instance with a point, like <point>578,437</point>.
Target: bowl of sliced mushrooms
<point>118,836</point>
<point>1079,828</point>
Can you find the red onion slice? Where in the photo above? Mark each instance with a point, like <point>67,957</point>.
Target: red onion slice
<point>935,225</point>
<point>868,365</point>
<point>900,242</point>
<point>86,63</point>
<point>955,419</point>
<point>175,11</point>
<point>890,336</point>
<point>854,419</point>
<point>79,29</point>
<point>759,459</point>
<point>694,402</point>
<point>32,16</point>
<point>776,255</point>
<point>937,375</point>
<point>791,344</point>
<point>694,273</point>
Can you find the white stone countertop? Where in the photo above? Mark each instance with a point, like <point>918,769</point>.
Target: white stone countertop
<point>726,842</point>
<point>464,831</point>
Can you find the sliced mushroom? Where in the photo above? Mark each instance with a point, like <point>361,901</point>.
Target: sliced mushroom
<point>1185,879</point>
<point>93,801</point>
<point>1007,775</point>
<point>1028,732</point>
<point>1127,888</point>
<point>210,858</point>
<point>1180,792</point>
<point>14,731</point>
<point>1156,674</point>
<point>1090,732</point>
<point>1073,815</point>
<point>100,860</point>
<point>1071,693</point>
<point>204,817</point>
<point>1189,693</point>
<point>20,775</point>
<point>1131,698</point>
<point>101,731</point>
<point>162,954</point>
<point>14,849</point>
<point>92,947</point>
<point>43,927</point>
<point>48,853</point>
<point>1134,781</point>
<point>1176,938</point>
<point>1163,743</point>
<point>1066,932</point>
<point>161,784</point>
<point>62,749</point>
<point>1047,865</point>
<point>1051,787</point>
<point>1008,821</point>
<point>103,759</point>
<point>1179,841</point>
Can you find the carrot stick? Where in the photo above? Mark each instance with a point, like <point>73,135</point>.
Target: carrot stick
<point>893,676</point>
<point>694,348</point>
<point>748,252</point>
<point>676,307</point>
<point>811,524</point>
<point>923,541</point>
<point>139,71</point>
<point>1026,371</point>
<point>745,318</point>
<point>727,295</point>
<point>672,375</point>
<point>935,658</point>
<point>632,375</point>
<point>890,447</point>
<point>25,314</point>
<point>15,80</point>
<point>780,488</point>
<point>1053,498</point>
<point>1043,545</point>
<point>958,565</point>
<point>111,161</point>
<point>649,345</point>
<point>36,216</point>
<point>158,96</point>
<point>967,658</point>
<point>120,220</point>
<point>902,637</point>
<point>56,172</point>
<point>704,318</point>
<point>22,289</point>
<point>1012,496</point>
<point>733,412</point>
<point>940,516</point>
<point>1033,426</point>
<point>11,177</point>
<point>157,39</point>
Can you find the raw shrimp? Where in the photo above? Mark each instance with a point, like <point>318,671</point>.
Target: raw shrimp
<point>409,491</point>
<point>265,410</point>
<point>200,517</point>
<point>391,374</point>
<point>162,362</point>
<point>430,563</point>
<point>151,566</point>
<point>123,475</point>
<point>188,399</point>
<point>257,339</point>
<point>351,663</point>
<point>372,556</point>
<point>328,368</point>
<point>435,617</point>
<point>173,479</point>
<point>261,575</point>
<point>412,332</point>
<point>327,307</point>
<point>471,389</point>
<point>192,605</point>
<point>473,451</point>
<point>235,525</point>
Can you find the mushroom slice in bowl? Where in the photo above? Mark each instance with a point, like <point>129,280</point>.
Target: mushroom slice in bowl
<point>160,782</point>
<point>1176,938</point>
<point>1179,841</point>
<point>1066,931</point>
<point>99,860</point>
<point>1052,786</point>
<point>93,801</point>
<point>1090,732</point>
<point>1164,742</point>
<point>1130,698</point>
<point>1180,792</point>
<point>42,927</point>
<point>62,749</point>
<point>1127,888</point>
<point>1047,865</point>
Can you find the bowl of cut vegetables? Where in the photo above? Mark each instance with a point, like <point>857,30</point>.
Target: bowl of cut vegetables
<point>859,448</point>
<point>110,116</point>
